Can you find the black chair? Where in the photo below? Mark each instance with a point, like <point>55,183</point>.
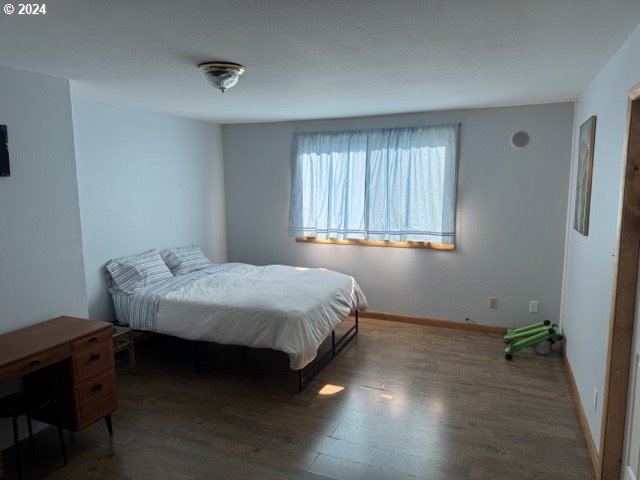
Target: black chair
<point>23,403</point>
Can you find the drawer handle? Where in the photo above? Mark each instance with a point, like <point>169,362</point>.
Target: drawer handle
<point>95,357</point>
<point>34,363</point>
<point>97,387</point>
<point>93,339</point>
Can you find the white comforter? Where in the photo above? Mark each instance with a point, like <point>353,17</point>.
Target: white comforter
<point>290,309</point>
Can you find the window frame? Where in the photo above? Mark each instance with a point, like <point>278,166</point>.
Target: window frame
<point>390,243</point>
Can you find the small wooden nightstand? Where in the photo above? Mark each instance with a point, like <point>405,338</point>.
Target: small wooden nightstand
<point>123,340</point>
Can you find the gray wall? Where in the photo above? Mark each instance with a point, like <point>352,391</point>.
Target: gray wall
<point>41,268</point>
<point>146,180</point>
<point>590,260</point>
<point>510,224</point>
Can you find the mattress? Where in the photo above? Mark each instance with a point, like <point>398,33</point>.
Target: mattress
<point>290,309</point>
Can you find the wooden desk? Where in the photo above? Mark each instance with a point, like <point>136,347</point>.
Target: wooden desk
<point>70,357</point>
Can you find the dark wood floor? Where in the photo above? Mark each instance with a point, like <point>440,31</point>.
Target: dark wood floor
<point>402,401</point>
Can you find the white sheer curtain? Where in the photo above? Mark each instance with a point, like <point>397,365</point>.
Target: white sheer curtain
<point>390,185</point>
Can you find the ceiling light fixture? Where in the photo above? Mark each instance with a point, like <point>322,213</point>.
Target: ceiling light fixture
<point>222,75</point>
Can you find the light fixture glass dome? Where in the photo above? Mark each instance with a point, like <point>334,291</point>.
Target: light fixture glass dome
<point>222,75</point>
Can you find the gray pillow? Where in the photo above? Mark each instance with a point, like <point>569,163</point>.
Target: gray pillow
<point>129,273</point>
<point>181,260</point>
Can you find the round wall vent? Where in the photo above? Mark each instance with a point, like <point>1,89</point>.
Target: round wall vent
<point>520,139</point>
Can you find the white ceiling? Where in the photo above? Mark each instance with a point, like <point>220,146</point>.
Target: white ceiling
<point>320,58</point>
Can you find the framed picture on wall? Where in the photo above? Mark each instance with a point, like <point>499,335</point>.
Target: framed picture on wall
<point>583,175</point>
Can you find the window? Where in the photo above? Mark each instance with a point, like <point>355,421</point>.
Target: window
<point>392,185</point>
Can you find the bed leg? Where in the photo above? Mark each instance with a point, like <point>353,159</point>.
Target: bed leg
<point>163,348</point>
<point>245,353</point>
<point>196,358</point>
<point>301,380</point>
<point>356,320</point>
<point>333,342</point>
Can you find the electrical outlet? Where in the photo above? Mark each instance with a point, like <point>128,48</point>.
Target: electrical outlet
<point>595,399</point>
<point>533,306</point>
<point>493,303</point>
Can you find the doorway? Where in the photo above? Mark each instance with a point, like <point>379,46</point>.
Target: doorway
<point>624,313</point>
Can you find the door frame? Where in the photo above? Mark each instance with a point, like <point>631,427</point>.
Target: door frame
<point>623,301</point>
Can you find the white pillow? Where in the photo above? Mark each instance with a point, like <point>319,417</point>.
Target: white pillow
<point>129,273</point>
<point>181,260</point>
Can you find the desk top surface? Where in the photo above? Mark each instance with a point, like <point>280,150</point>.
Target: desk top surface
<point>25,342</point>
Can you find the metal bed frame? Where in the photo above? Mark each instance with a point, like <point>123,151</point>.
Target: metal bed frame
<point>307,374</point>
<point>319,363</point>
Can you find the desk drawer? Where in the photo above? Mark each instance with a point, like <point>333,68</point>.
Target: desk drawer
<point>34,363</point>
<point>91,341</point>
<point>96,397</point>
<point>89,362</point>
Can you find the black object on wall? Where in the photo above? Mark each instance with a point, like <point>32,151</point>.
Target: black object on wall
<point>5,171</point>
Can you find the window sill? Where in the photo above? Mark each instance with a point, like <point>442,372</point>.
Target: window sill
<point>368,243</point>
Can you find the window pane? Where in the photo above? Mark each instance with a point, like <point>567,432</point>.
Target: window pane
<point>332,171</point>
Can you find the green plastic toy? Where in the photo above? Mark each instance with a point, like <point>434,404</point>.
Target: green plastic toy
<point>530,336</point>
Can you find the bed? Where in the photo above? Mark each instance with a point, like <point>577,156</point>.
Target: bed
<point>289,309</point>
